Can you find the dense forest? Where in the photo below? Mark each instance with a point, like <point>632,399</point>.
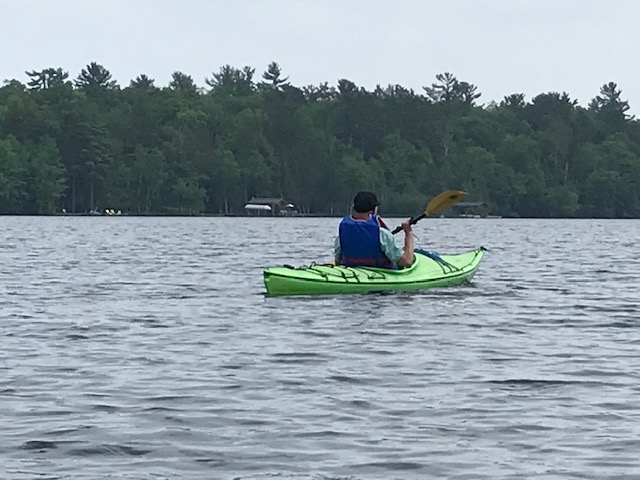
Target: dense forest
<point>89,143</point>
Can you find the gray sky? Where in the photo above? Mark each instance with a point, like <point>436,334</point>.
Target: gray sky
<point>501,46</point>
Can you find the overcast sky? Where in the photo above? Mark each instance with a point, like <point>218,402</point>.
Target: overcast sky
<point>501,46</point>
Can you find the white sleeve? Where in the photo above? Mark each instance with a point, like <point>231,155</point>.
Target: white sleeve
<point>389,246</point>
<point>337,253</point>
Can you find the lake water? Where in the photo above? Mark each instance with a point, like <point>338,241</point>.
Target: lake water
<point>144,348</point>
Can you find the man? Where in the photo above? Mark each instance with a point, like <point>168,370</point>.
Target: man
<point>365,241</point>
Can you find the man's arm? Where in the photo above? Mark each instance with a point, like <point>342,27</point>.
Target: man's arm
<point>402,256</point>
<point>407,255</point>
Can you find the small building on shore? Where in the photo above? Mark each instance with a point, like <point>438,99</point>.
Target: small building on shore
<point>270,207</point>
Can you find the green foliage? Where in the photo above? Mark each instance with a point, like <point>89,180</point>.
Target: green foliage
<point>181,149</point>
<point>46,177</point>
<point>183,83</point>
<point>94,78</point>
<point>189,196</point>
<point>449,90</point>
<point>47,78</point>
<point>273,77</point>
<point>232,81</point>
<point>143,82</point>
<point>13,164</point>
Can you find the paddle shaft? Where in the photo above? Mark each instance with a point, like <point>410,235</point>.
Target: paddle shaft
<point>413,221</point>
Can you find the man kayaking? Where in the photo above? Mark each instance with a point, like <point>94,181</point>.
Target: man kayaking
<point>365,241</point>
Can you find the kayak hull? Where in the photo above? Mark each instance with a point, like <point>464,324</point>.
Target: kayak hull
<point>429,270</point>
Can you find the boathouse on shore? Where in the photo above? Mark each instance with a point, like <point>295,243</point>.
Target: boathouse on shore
<point>264,206</point>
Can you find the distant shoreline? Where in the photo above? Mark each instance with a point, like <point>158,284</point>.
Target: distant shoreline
<point>175,215</point>
<point>229,215</point>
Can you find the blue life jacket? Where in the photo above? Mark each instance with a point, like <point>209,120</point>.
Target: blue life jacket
<point>360,244</point>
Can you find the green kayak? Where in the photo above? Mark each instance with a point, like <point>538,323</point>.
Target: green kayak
<point>429,270</point>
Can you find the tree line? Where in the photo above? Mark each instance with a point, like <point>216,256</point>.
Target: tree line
<point>88,143</point>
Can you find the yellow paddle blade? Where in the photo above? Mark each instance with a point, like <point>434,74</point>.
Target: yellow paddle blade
<point>444,201</point>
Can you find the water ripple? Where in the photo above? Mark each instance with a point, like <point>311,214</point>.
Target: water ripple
<point>144,348</point>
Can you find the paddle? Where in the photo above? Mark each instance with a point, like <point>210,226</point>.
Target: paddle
<point>437,205</point>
